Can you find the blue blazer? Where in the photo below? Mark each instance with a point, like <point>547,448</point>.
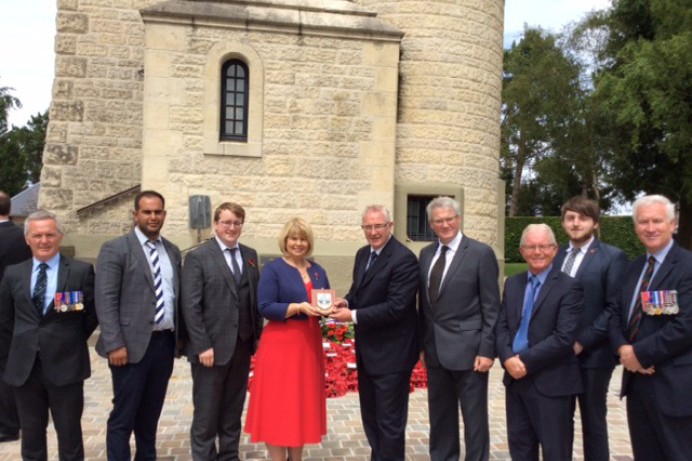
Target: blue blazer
<point>663,341</point>
<point>549,360</point>
<point>281,284</point>
<point>601,273</point>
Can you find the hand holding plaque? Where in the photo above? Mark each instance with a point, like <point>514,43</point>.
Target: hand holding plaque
<point>323,300</point>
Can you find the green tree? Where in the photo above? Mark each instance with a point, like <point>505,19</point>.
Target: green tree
<point>550,150</point>
<point>21,149</point>
<point>645,93</point>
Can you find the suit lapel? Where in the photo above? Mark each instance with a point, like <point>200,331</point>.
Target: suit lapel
<point>519,301</point>
<point>381,261</point>
<point>459,256</point>
<point>591,254</point>
<point>220,261</point>
<point>545,290</point>
<point>26,284</point>
<point>143,259</point>
<point>425,260</point>
<point>666,268</point>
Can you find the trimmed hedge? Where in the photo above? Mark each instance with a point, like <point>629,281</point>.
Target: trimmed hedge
<point>615,230</point>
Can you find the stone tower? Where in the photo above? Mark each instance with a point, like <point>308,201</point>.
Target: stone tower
<point>350,103</point>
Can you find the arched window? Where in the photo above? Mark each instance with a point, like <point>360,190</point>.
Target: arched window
<point>235,93</point>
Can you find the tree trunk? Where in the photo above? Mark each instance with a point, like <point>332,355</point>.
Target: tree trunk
<point>516,180</point>
<point>685,224</point>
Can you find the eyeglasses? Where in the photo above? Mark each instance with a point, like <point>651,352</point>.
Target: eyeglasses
<point>534,248</point>
<point>440,221</point>
<point>236,224</point>
<point>374,227</point>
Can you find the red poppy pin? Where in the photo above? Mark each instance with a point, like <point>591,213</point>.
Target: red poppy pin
<point>251,262</point>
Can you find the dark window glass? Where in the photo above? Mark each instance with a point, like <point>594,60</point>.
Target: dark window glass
<point>417,227</point>
<point>234,101</point>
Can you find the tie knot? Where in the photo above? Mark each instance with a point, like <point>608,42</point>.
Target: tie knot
<point>151,244</point>
<point>534,281</point>
<point>575,250</point>
<point>232,250</point>
<point>443,249</point>
<point>652,260</point>
<point>43,267</point>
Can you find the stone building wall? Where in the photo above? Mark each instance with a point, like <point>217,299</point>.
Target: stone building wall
<point>352,114</point>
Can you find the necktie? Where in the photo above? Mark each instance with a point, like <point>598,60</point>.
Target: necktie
<point>39,295</point>
<point>234,264</point>
<point>569,262</point>
<point>158,281</point>
<point>636,318</point>
<point>371,261</point>
<point>436,275</point>
<point>521,340</point>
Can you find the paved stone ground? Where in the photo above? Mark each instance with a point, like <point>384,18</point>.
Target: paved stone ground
<point>344,441</point>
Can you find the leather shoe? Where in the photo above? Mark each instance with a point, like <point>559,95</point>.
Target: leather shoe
<point>9,437</point>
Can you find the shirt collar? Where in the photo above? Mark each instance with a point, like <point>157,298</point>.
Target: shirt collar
<point>52,262</point>
<point>223,245</point>
<point>542,276</point>
<point>660,256</point>
<point>143,238</point>
<point>453,245</point>
<point>583,248</point>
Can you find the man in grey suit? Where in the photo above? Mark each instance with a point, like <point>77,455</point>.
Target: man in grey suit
<point>600,268</point>
<point>459,303</point>
<point>219,304</point>
<point>137,285</point>
<point>46,316</point>
<point>13,249</point>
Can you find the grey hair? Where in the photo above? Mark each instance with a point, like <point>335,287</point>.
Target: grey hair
<point>378,209</point>
<point>535,227</point>
<point>442,202</point>
<point>647,200</point>
<point>42,215</point>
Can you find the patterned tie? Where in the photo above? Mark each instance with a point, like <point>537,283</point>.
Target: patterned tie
<point>39,296</point>
<point>158,281</point>
<point>521,340</point>
<point>637,313</point>
<point>569,262</point>
<point>234,264</point>
<point>436,275</point>
<point>371,261</point>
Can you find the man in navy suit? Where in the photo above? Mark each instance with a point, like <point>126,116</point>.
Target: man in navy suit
<point>137,293</point>
<point>600,268</point>
<point>652,334</point>
<point>46,316</point>
<point>382,305</point>
<point>13,249</point>
<point>535,336</point>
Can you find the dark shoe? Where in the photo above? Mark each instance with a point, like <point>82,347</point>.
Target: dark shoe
<point>9,437</point>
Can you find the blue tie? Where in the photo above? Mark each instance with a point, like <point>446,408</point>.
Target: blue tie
<point>521,340</point>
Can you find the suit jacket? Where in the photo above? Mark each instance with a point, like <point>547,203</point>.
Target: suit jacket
<point>601,273</point>
<point>13,247</point>
<point>663,341</point>
<point>125,297</point>
<point>385,298</point>
<point>461,325</point>
<point>61,337</point>
<point>210,301</point>
<point>549,360</point>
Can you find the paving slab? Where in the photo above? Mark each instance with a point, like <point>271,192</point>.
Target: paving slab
<point>345,440</point>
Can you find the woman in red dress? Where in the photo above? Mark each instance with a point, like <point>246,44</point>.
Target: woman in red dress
<point>287,406</point>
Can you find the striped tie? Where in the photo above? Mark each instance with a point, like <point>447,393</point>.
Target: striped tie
<point>637,312</point>
<point>158,281</point>
<point>569,262</point>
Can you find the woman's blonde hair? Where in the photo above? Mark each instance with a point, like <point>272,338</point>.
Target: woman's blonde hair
<point>296,227</point>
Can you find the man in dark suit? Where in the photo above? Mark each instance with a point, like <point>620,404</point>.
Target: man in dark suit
<point>137,293</point>
<point>459,301</point>
<point>47,314</point>
<point>652,334</point>
<point>13,249</point>
<point>535,335</point>
<point>219,303</point>
<point>382,305</point>
<point>599,268</point>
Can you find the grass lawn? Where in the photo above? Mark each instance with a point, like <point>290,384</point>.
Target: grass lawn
<point>514,268</point>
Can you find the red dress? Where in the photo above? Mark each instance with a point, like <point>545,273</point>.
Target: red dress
<point>287,402</point>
